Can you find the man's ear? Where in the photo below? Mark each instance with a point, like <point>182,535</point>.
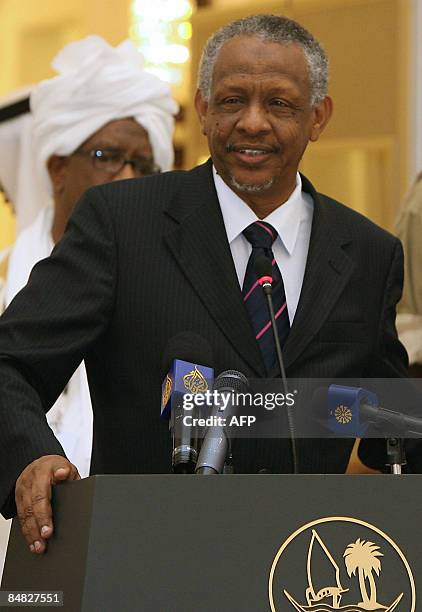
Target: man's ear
<point>322,113</point>
<point>57,169</point>
<point>201,106</point>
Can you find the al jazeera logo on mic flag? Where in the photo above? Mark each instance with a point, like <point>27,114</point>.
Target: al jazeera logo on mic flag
<point>195,381</point>
<point>341,564</point>
<point>166,390</point>
<point>184,377</point>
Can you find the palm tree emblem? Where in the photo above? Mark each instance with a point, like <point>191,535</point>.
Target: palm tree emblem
<point>343,572</point>
<point>363,556</point>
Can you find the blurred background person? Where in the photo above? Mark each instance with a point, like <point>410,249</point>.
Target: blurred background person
<point>103,118</point>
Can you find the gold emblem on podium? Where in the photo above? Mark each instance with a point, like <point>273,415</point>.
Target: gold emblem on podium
<point>344,564</point>
<point>168,386</point>
<point>195,382</point>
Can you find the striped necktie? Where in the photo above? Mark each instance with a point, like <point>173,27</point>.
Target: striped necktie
<point>261,235</point>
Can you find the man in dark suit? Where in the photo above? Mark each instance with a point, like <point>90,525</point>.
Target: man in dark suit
<point>142,260</point>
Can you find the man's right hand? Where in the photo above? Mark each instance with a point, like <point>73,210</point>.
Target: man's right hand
<point>33,497</point>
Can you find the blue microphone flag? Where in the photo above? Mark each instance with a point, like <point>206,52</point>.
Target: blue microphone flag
<point>344,409</point>
<point>184,377</point>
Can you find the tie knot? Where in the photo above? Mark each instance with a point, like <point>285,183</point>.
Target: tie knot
<point>260,235</point>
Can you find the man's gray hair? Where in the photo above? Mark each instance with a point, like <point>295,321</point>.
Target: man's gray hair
<point>272,29</point>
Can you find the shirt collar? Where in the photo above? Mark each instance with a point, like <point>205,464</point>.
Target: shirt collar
<point>237,215</point>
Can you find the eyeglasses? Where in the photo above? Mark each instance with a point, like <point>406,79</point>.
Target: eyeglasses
<point>112,161</point>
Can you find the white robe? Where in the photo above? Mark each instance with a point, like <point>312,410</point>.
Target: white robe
<point>4,538</point>
<point>71,416</point>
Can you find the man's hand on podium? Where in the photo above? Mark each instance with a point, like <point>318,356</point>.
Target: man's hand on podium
<point>33,497</point>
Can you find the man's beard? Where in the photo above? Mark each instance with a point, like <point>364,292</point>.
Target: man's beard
<point>248,188</point>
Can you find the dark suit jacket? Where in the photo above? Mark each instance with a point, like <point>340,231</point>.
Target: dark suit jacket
<point>144,259</point>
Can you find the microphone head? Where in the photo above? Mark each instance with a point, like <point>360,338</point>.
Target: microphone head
<point>264,269</point>
<point>187,346</point>
<point>231,380</point>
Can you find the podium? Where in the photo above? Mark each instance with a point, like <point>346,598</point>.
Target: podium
<point>252,543</point>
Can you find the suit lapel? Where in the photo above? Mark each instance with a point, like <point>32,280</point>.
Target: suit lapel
<point>328,270</point>
<point>198,241</point>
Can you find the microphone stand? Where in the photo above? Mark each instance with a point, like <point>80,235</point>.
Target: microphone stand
<point>216,456</point>
<point>185,443</point>
<point>396,457</point>
<point>267,290</point>
<point>266,285</point>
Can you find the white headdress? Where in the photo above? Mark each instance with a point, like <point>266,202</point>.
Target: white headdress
<point>97,84</point>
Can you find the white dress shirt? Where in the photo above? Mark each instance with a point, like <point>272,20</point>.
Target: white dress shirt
<point>292,221</point>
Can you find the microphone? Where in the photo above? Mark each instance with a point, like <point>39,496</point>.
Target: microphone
<point>185,374</point>
<point>352,411</point>
<point>216,443</point>
<point>264,271</point>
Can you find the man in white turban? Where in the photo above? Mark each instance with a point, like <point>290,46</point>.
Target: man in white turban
<point>102,118</point>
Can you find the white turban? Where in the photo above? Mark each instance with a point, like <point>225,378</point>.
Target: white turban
<point>97,84</point>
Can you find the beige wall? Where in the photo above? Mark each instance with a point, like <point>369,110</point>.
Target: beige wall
<point>33,32</point>
<point>7,225</point>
